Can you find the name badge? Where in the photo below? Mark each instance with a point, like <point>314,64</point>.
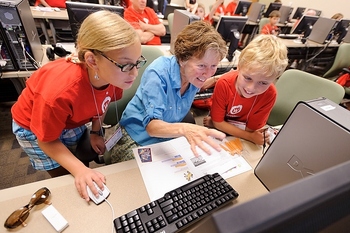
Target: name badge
<point>110,143</point>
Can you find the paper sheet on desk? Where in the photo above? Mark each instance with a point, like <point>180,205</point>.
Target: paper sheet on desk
<point>168,165</point>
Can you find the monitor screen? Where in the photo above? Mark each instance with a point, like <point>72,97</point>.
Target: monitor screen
<point>230,28</point>
<point>256,11</point>
<point>285,11</point>
<point>341,29</point>
<point>272,7</point>
<point>318,203</point>
<point>321,30</point>
<point>78,11</point>
<point>242,8</point>
<point>346,38</point>
<point>299,12</point>
<point>305,24</point>
<point>182,19</point>
<point>170,8</point>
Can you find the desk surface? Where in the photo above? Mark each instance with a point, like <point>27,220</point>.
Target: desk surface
<point>128,192</point>
<point>37,14</point>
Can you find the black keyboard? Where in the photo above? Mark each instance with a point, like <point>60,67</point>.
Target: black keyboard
<point>180,207</point>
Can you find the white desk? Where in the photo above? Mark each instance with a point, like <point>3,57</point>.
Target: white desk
<point>128,192</point>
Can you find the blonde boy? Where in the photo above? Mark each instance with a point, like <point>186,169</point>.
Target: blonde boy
<point>243,98</point>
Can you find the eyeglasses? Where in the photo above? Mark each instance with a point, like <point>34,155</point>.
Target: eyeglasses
<point>19,216</point>
<point>126,67</point>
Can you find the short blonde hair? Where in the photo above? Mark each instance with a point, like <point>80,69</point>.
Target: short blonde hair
<point>266,55</point>
<point>195,39</point>
<point>275,14</point>
<point>104,31</point>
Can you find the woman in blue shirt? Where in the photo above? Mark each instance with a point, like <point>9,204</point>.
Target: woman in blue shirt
<point>166,92</point>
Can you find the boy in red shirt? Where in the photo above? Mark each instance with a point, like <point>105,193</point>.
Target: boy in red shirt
<point>272,28</point>
<point>231,7</point>
<point>243,98</point>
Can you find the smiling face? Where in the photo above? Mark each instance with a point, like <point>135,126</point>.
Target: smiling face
<point>196,71</point>
<point>250,83</point>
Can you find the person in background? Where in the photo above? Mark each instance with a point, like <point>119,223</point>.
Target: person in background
<point>49,116</point>
<point>231,7</point>
<point>220,10</point>
<point>145,21</point>
<point>243,98</point>
<point>271,27</point>
<point>278,1</point>
<point>166,92</point>
<point>191,5</point>
<point>125,3</point>
<point>51,3</point>
<point>338,16</point>
<point>201,11</point>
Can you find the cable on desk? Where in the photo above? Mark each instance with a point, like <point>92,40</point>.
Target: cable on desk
<point>113,229</point>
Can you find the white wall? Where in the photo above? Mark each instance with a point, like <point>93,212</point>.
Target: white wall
<point>328,7</point>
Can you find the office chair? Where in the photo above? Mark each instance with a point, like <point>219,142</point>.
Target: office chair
<point>84,151</point>
<point>296,85</point>
<point>170,22</point>
<point>262,23</point>
<point>341,60</point>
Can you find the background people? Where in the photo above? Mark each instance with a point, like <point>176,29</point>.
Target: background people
<point>145,21</point>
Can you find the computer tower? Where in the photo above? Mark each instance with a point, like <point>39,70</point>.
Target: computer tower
<point>20,43</point>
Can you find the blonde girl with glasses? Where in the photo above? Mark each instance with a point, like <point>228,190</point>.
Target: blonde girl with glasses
<point>62,96</point>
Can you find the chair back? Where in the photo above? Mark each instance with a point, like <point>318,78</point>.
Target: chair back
<point>262,23</point>
<point>150,52</point>
<point>296,85</point>
<point>341,60</point>
<point>170,22</point>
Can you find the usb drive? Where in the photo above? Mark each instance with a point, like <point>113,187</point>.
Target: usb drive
<point>55,218</point>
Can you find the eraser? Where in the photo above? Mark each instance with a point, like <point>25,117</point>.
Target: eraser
<point>55,218</point>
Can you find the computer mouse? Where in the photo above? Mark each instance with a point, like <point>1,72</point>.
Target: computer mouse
<point>103,194</point>
<point>56,9</point>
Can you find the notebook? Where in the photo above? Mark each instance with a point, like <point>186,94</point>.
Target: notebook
<point>315,136</point>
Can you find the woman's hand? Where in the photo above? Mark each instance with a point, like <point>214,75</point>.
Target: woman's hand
<point>196,135</point>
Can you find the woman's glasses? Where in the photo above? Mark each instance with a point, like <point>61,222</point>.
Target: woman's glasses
<point>19,216</point>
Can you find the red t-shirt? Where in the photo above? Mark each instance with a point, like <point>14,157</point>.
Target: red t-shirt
<point>53,3</point>
<point>269,29</point>
<point>221,10</point>
<point>230,8</point>
<point>228,105</point>
<point>59,96</point>
<point>148,16</point>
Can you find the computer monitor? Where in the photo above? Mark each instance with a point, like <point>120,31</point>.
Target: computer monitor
<point>230,28</point>
<point>242,8</point>
<point>256,11</point>
<point>170,8</point>
<point>182,19</point>
<point>321,30</point>
<point>285,11</point>
<point>318,203</point>
<point>78,11</point>
<point>272,7</point>
<point>305,25</point>
<point>341,29</point>
<point>346,38</point>
<point>299,12</point>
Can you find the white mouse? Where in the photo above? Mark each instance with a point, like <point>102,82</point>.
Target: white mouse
<point>103,194</point>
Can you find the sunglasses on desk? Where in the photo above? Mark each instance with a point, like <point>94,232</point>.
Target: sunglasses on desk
<point>19,216</point>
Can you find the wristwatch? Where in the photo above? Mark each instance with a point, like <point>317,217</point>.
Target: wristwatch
<point>96,132</point>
